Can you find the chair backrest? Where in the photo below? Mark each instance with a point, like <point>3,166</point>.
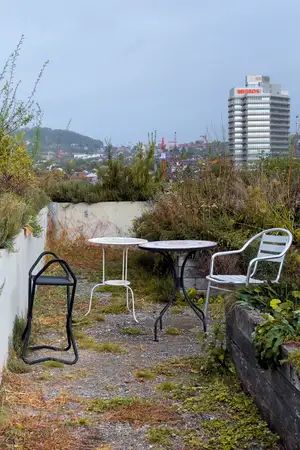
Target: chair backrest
<point>272,243</point>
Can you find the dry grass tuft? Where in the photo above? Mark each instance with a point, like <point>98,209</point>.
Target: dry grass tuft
<point>29,421</point>
<point>144,414</point>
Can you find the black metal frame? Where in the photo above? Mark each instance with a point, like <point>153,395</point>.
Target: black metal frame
<point>50,281</point>
<point>178,279</point>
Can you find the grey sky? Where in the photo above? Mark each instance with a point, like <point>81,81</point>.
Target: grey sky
<point>121,68</point>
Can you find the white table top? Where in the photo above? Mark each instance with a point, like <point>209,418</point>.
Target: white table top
<point>113,240</point>
<point>178,246</point>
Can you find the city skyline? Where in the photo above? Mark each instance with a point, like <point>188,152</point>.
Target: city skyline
<point>121,70</point>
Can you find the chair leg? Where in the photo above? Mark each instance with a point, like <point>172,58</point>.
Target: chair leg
<point>127,298</point>
<point>91,297</point>
<point>132,302</point>
<point>207,299</point>
<point>69,313</point>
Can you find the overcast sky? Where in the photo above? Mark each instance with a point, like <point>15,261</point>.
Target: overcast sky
<point>121,68</point>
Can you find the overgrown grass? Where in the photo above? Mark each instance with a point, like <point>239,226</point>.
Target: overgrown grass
<point>14,362</point>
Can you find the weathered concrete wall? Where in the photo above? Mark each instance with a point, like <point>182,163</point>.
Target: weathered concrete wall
<point>98,219</point>
<point>276,392</point>
<point>14,267</point>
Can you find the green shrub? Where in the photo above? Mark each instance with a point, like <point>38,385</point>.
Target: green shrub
<point>13,215</point>
<point>225,204</point>
<point>117,181</point>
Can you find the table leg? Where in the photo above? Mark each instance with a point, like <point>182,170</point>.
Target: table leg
<point>194,307</point>
<point>176,281</point>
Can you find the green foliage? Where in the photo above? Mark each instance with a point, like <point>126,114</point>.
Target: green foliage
<point>259,296</point>
<point>117,181</point>
<point>161,436</point>
<point>228,419</point>
<point>13,214</point>
<point>14,363</point>
<point>281,325</point>
<point>223,203</point>
<point>217,359</point>
<point>52,138</point>
<point>280,304</point>
<point>293,358</point>
<point>20,197</point>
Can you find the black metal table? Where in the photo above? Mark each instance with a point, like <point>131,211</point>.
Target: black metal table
<point>187,248</point>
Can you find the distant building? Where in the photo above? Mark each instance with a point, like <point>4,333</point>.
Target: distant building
<point>91,178</point>
<point>86,176</point>
<point>258,120</point>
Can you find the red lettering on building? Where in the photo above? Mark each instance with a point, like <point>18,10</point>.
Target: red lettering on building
<point>248,91</point>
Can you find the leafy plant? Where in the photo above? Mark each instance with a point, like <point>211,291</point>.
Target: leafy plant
<point>259,296</point>
<point>281,325</point>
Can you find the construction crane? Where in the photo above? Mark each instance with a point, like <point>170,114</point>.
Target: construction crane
<point>163,159</point>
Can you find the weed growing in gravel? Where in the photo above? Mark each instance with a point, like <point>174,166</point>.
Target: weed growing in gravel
<point>167,386</point>
<point>89,343</point>
<point>144,374</point>
<point>53,364</point>
<point>83,322</point>
<point>228,418</point>
<point>100,405</point>
<point>81,422</point>
<point>45,376</point>
<point>160,436</point>
<point>173,331</point>
<point>132,331</point>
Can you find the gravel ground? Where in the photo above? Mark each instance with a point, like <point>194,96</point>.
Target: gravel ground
<point>109,375</point>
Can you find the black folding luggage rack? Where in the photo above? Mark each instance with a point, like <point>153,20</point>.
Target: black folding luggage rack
<point>70,281</point>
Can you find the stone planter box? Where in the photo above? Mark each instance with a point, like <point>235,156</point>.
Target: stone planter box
<point>276,392</point>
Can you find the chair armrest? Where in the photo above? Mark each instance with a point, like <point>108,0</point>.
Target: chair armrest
<point>216,255</point>
<point>262,258</point>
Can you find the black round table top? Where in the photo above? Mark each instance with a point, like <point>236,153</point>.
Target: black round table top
<point>178,245</point>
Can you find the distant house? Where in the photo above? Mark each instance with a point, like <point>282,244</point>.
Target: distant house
<point>91,178</point>
<point>85,175</point>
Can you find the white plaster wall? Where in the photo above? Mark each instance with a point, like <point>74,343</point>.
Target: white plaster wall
<point>98,219</point>
<point>14,267</point>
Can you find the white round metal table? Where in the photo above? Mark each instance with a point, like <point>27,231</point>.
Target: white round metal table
<point>188,248</point>
<point>125,243</point>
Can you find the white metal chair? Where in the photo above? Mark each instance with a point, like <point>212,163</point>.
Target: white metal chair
<point>274,244</point>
